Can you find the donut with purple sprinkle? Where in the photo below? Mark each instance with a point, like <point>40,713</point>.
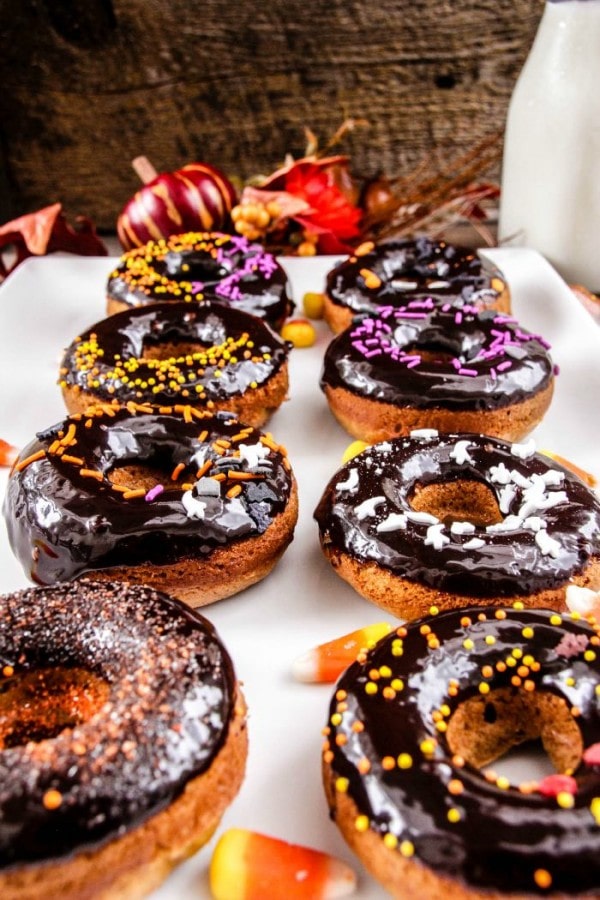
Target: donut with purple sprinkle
<point>195,266</point>
<point>422,365</point>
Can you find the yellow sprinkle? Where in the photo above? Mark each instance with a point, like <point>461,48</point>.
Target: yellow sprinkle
<point>370,687</point>
<point>595,809</point>
<point>397,684</point>
<point>527,632</point>
<point>385,671</point>
<point>517,653</point>
<point>341,785</point>
<point>555,620</point>
<point>390,840</point>
<point>468,644</point>
<point>441,726</point>
<point>484,688</point>
<point>518,604</point>
<point>336,719</point>
<point>433,610</point>
<point>502,782</point>
<point>407,848</point>
<point>589,656</point>
<point>405,761</point>
<point>454,815</point>
<point>565,800</point>
<point>362,823</point>
<point>427,747</point>
<point>490,639</point>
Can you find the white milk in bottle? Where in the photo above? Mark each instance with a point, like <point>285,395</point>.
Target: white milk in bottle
<point>551,169</point>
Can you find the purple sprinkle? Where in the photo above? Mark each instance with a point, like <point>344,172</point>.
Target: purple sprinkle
<point>503,320</point>
<point>371,353</point>
<point>414,315</point>
<point>470,372</point>
<point>446,307</point>
<point>414,361</point>
<point>154,492</point>
<point>501,367</point>
<point>458,317</point>
<point>493,374</point>
<point>456,363</point>
<point>197,287</point>
<point>556,369</point>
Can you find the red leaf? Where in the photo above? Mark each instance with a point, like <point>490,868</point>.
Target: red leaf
<point>47,231</point>
<point>8,453</point>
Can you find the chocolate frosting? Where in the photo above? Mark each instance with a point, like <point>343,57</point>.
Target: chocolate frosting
<point>497,836</point>
<point>65,517</point>
<point>426,356</point>
<point>550,528</point>
<point>420,267</point>
<point>170,701</point>
<point>236,353</point>
<point>204,265</point>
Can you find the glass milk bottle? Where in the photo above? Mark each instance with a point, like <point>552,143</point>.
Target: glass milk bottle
<point>551,169</point>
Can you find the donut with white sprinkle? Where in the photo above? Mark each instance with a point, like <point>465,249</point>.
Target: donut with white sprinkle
<point>414,728</point>
<point>449,520</point>
<point>197,505</point>
<point>422,365</point>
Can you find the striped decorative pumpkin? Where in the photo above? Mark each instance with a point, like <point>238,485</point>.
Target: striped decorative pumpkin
<point>196,197</point>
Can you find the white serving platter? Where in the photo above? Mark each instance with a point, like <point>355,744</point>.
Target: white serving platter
<point>48,301</point>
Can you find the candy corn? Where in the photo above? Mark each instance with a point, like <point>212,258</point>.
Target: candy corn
<point>250,866</point>
<point>8,453</point>
<point>587,477</point>
<point>313,305</point>
<point>326,662</point>
<point>353,450</point>
<point>299,332</point>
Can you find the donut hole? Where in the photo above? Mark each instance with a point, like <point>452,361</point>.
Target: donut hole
<point>140,476</point>
<point>171,349</point>
<point>462,500</point>
<point>483,729</point>
<point>40,704</point>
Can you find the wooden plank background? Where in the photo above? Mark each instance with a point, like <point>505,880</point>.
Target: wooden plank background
<point>89,84</point>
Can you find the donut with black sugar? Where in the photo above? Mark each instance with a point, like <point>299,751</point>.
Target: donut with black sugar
<point>122,739</point>
<point>449,520</point>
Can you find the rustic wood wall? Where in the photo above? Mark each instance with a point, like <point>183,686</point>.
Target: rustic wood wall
<point>89,84</point>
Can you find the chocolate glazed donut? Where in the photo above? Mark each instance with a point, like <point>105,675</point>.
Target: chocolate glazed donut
<point>122,739</point>
<point>202,265</point>
<point>198,505</point>
<point>413,723</point>
<point>391,273</point>
<point>441,520</point>
<point>210,356</point>
<point>422,365</point>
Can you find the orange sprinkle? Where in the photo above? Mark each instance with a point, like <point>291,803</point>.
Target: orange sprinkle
<point>132,495</point>
<point>542,878</point>
<point>177,471</point>
<point>364,766</point>
<point>221,476</point>
<point>242,476</point>
<point>204,468</point>
<point>455,786</point>
<point>91,473</point>
<point>52,799</point>
<point>234,491</point>
<point>7,671</point>
<point>202,436</point>
<point>76,460</point>
<point>33,458</point>
<point>69,436</point>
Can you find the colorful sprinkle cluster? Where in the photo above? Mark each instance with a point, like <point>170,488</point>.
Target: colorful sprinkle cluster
<point>143,268</point>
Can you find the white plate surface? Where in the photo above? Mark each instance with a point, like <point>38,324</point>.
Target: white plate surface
<point>47,301</point>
